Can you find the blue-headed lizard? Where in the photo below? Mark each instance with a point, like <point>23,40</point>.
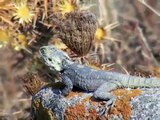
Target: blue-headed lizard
<point>88,79</point>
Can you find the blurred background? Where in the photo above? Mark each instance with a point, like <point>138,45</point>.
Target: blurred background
<point>126,41</point>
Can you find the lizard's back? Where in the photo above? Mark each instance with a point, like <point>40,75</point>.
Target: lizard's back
<point>87,78</point>
<point>90,79</point>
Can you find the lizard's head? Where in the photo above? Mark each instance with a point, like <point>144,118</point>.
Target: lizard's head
<point>53,57</point>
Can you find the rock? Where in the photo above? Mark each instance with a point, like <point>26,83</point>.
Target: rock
<point>48,104</point>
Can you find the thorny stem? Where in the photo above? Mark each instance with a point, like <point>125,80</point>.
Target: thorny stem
<point>146,45</point>
<point>102,10</point>
<point>112,26</point>
<point>148,6</point>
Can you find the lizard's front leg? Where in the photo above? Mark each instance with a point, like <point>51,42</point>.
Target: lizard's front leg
<point>68,84</point>
<point>104,92</point>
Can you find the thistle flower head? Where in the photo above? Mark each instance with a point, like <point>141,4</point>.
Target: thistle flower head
<point>66,6</point>
<point>100,34</point>
<point>4,38</point>
<point>22,12</point>
<point>20,42</point>
<point>103,32</point>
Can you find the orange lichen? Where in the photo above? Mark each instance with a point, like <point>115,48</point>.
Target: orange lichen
<point>72,94</point>
<point>127,93</point>
<point>79,111</point>
<point>92,115</point>
<point>75,112</point>
<point>88,98</point>
<point>92,102</point>
<point>122,105</point>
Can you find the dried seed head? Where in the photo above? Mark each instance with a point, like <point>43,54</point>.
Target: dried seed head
<point>77,31</point>
<point>32,83</point>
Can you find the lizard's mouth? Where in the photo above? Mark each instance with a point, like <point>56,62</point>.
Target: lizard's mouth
<point>43,53</point>
<point>41,50</point>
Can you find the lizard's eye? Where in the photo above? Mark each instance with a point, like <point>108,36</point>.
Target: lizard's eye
<point>50,59</point>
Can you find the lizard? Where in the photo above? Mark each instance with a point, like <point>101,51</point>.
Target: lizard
<point>100,82</point>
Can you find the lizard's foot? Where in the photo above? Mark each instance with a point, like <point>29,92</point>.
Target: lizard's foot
<point>103,93</point>
<point>108,104</point>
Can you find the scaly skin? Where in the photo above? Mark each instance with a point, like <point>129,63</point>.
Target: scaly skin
<point>88,79</point>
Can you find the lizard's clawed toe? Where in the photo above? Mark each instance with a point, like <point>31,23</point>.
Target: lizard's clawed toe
<point>102,111</point>
<point>108,104</point>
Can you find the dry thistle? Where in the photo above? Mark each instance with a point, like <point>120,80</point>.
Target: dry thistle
<point>77,31</point>
<point>6,8</point>
<point>32,83</point>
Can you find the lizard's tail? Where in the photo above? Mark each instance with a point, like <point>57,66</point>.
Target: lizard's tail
<point>134,82</point>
